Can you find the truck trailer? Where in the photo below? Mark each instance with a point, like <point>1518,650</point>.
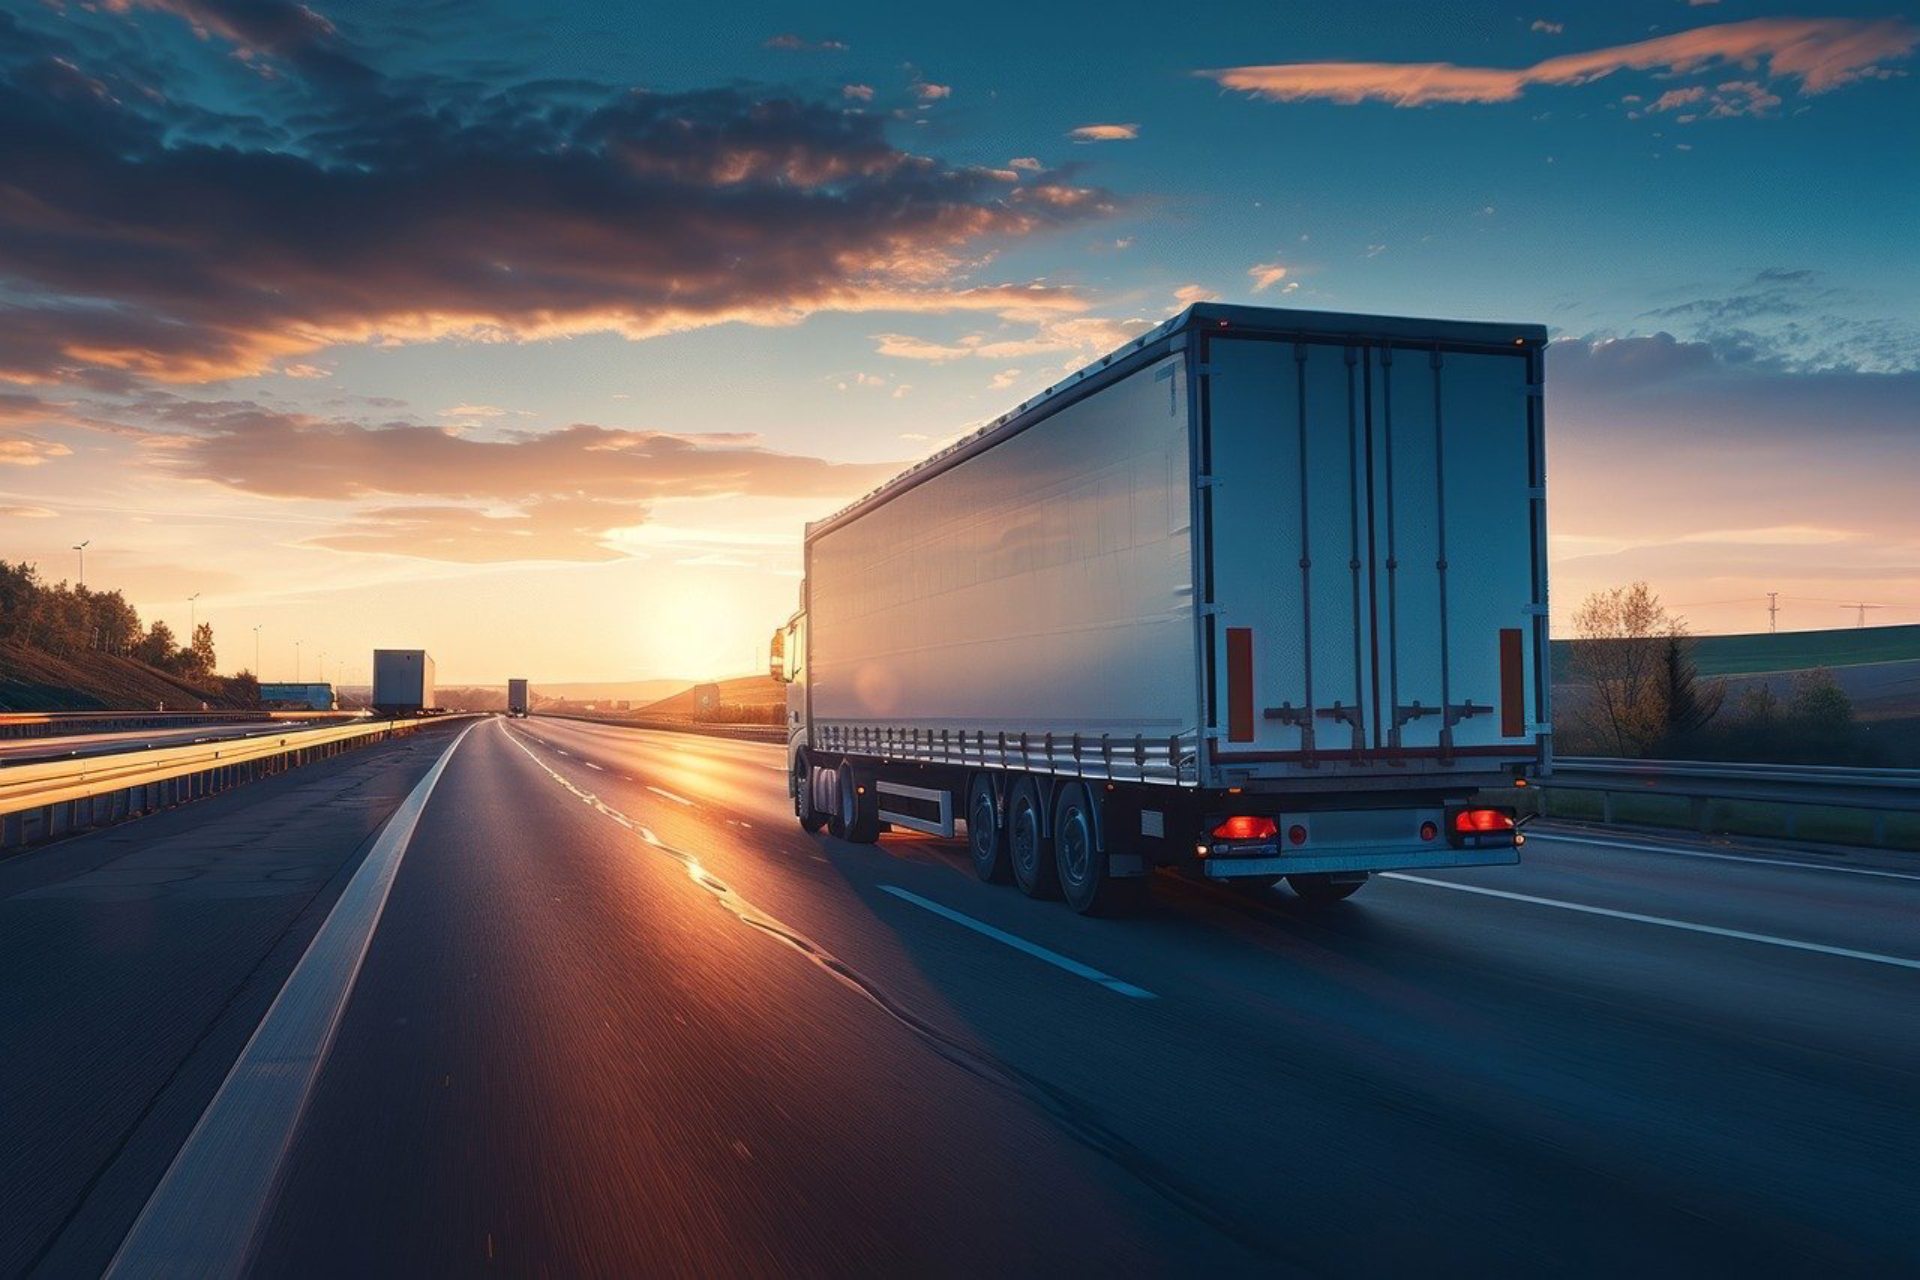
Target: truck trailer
<point>1261,594</point>
<point>519,699</point>
<point>297,697</point>
<point>402,682</point>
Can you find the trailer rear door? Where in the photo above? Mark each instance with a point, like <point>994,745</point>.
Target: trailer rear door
<point>1372,530</point>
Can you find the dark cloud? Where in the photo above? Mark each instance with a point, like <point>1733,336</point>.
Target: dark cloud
<point>431,491</point>
<point>1661,387</point>
<point>790,43</point>
<point>1793,318</point>
<point>248,447</point>
<point>271,29</point>
<point>407,212</point>
<point>547,530</point>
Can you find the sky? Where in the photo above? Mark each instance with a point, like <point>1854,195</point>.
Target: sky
<point>532,335</point>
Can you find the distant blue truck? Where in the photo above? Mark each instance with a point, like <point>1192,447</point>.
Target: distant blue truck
<point>297,697</point>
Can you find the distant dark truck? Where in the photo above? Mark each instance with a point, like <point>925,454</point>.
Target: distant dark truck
<point>297,697</point>
<point>1262,594</point>
<point>519,698</point>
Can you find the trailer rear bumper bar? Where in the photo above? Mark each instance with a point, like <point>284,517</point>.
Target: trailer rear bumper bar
<point>1351,860</point>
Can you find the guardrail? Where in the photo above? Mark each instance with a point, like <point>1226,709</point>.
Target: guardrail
<point>1876,792</point>
<point>706,728</point>
<point>45,724</point>
<point>51,798</point>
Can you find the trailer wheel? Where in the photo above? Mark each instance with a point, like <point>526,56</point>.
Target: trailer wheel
<point>1029,848</point>
<point>1326,887</point>
<point>811,819</point>
<point>859,818</point>
<point>1079,862</point>
<point>986,833</point>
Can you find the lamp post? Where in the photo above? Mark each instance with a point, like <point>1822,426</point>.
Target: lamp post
<point>256,649</point>
<point>296,662</point>
<point>81,547</point>
<point>193,616</point>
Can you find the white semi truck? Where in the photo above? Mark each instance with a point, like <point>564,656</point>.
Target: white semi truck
<point>403,682</point>
<point>1261,594</point>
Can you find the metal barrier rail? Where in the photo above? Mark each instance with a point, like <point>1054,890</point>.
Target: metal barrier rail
<point>46,724</point>
<point>1875,791</point>
<point>49,798</point>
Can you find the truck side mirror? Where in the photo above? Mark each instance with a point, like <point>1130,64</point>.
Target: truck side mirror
<point>777,656</point>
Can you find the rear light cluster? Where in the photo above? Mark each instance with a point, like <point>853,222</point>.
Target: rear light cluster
<point>1480,822</point>
<point>1483,827</point>
<point>1250,827</point>
<point>1245,827</point>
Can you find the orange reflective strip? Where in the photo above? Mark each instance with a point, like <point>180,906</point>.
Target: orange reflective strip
<point>1513,685</point>
<point>1239,684</point>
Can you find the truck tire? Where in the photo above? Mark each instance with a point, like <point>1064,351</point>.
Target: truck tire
<point>1079,863</point>
<point>987,831</point>
<point>859,818</point>
<point>1323,888</point>
<point>1029,847</point>
<point>811,819</point>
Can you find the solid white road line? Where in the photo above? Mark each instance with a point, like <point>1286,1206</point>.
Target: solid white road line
<point>1793,944</point>
<point>661,791</point>
<point>1033,949</point>
<point>1550,836</point>
<point>202,1219</point>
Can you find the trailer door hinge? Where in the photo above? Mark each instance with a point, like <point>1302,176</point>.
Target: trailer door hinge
<point>1204,482</point>
<point>1534,610</point>
<point>1211,609</point>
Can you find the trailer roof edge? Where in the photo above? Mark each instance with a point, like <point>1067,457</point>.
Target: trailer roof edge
<point>1232,317</point>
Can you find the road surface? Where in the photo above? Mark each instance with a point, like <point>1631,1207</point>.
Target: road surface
<point>620,1016</point>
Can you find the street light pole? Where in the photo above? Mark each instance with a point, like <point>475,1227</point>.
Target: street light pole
<point>296,662</point>
<point>256,649</point>
<point>193,616</point>
<point>81,547</point>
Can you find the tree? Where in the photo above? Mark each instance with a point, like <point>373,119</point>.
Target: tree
<point>195,661</point>
<point>1620,646</point>
<point>1821,714</point>
<point>116,625</point>
<point>156,647</point>
<point>243,688</point>
<point>1688,706</point>
<point>203,646</point>
<point>20,592</point>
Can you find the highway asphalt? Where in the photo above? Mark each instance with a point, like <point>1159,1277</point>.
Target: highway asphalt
<point>621,1016</point>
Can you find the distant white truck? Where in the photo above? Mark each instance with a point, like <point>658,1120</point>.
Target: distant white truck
<point>1261,594</point>
<point>402,682</point>
<point>519,699</point>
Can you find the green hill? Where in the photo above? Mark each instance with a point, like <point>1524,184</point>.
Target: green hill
<point>1740,655</point>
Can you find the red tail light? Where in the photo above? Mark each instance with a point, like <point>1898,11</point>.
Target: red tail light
<point>1244,827</point>
<point>1480,822</point>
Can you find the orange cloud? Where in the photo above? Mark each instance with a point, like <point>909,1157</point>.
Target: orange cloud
<point>25,451</point>
<point>1821,53</point>
<point>1105,133</point>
